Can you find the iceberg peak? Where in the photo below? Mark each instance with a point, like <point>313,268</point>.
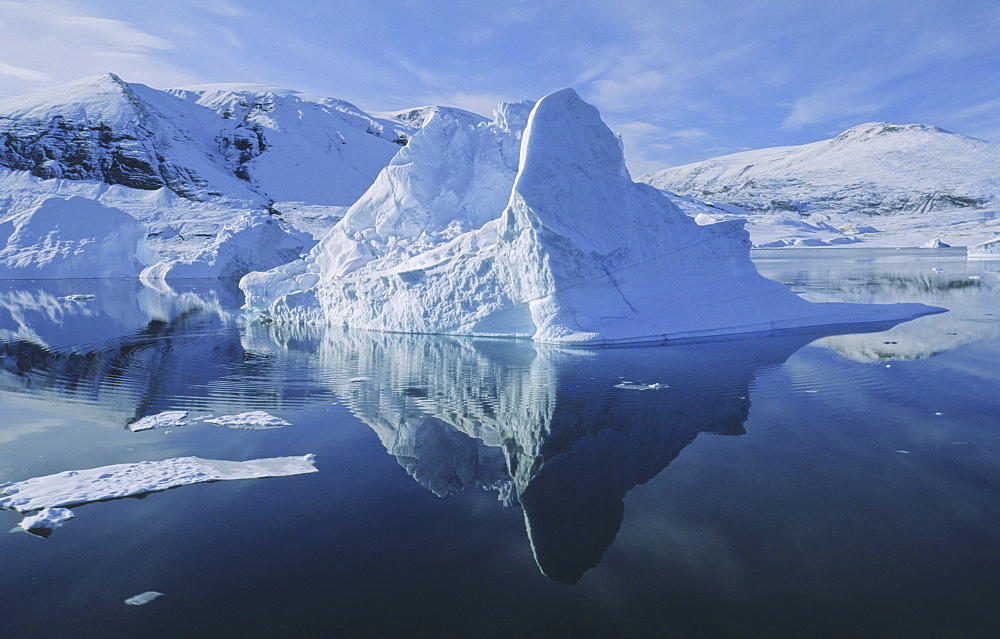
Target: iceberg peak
<point>572,170</point>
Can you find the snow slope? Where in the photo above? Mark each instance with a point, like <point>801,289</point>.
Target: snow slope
<point>884,184</point>
<point>572,251</point>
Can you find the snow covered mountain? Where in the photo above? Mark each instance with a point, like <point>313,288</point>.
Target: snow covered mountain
<point>186,163</point>
<point>885,184</point>
<point>215,141</point>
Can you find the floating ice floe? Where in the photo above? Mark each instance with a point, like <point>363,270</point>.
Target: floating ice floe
<point>45,521</point>
<point>78,297</point>
<point>160,420</point>
<point>631,386</point>
<point>75,487</point>
<point>250,419</point>
<point>143,598</point>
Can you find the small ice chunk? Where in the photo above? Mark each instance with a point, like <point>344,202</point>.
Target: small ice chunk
<point>903,452</point>
<point>160,420</point>
<point>975,277</point>
<point>143,598</point>
<point>633,386</point>
<point>359,379</point>
<point>74,487</point>
<point>937,270</point>
<point>250,419</point>
<point>45,521</point>
<point>78,297</point>
<point>938,414</point>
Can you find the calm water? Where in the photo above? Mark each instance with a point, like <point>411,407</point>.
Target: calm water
<point>794,485</point>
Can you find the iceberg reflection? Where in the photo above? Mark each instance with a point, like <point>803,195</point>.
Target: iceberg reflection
<point>555,429</point>
<point>566,433</point>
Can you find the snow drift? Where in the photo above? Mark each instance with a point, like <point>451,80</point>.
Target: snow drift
<point>576,253</point>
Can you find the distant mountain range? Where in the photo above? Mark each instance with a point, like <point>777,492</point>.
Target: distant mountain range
<point>883,183</point>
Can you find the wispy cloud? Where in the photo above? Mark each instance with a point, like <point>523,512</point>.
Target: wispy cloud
<point>49,42</point>
<point>836,101</point>
<point>689,134</point>
<point>223,8</point>
<point>27,75</point>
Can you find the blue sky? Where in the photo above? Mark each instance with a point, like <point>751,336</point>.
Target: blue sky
<point>681,80</point>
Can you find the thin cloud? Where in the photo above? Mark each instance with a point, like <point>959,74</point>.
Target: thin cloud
<point>27,75</point>
<point>690,134</point>
<point>849,98</point>
<point>222,8</point>
<point>50,43</point>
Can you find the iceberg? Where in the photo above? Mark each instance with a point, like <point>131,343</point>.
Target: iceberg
<point>988,250</point>
<point>45,521</point>
<point>459,236</point>
<point>165,419</point>
<point>254,419</point>
<point>254,240</point>
<point>72,237</point>
<point>75,487</point>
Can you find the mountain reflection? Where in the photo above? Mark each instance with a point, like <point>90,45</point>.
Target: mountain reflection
<point>567,433</point>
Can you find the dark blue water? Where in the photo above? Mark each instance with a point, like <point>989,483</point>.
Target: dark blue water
<point>796,485</point>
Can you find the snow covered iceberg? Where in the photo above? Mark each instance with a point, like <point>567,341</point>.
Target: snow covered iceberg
<point>989,249</point>
<point>575,253</point>
<point>254,240</point>
<point>71,238</point>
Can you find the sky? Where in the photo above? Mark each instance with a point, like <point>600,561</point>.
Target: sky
<point>682,81</point>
